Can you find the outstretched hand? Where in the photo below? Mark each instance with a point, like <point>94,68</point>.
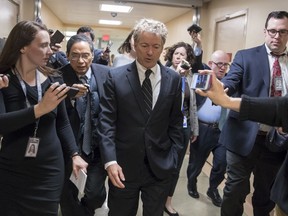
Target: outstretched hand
<point>4,81</point>
<point>216,91</point>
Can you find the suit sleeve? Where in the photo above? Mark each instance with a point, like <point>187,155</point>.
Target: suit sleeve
<point>274,114</point>
<point>64,131</point>
<point>198,65</point>
<point>14,120</point>
<point>107,119</point>
<point>234,77</point>
<point>176,121</point>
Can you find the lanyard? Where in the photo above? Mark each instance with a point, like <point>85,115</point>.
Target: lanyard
<point>39,92</point>
<point>183,81</point>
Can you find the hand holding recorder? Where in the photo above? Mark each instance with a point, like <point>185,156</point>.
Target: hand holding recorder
<point>4,80</point>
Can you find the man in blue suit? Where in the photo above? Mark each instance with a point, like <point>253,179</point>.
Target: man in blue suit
<point>140,140</point>
<point>251,74</point>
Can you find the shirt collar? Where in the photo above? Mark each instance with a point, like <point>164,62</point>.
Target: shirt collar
<point>269,51</point>
<point>142,69</point>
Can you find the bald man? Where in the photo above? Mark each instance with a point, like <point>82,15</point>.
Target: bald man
<point>209,132</point>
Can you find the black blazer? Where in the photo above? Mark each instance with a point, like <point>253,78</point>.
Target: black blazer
<point>126,137</point>
<point>275,114</point>
<point>70,77</point>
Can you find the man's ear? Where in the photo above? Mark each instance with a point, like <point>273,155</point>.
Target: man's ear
<point>22,51</point>
<point>210,64</point>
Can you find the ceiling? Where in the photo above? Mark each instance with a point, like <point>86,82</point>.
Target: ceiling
<point>76,13</point>
<point>86,12</point>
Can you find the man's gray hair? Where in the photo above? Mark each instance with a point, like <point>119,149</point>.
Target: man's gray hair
<point>152,26</point>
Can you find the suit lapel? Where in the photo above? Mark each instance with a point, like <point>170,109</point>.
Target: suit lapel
<point>134,81</point>
<point>164,88</point>
<point>99,78</point>
<point>263,65</point>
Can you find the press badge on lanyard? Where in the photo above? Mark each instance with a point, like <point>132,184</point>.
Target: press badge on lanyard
<point>33,142</point>
<point>183,95</point>
<point>184,122</point>
<point>278,83</point>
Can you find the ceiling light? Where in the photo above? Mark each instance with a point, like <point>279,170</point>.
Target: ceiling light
<point>70,33</point>
<point>110,22</point>
<point>116,8</point>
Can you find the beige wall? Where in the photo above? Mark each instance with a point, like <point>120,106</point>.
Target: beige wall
<point>27,9</point>
<point>26,12</point>
<point>177,29</point>
<point>50,19</point>
<point>257,13</point>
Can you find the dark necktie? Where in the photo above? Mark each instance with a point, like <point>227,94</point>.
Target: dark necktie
<point>147,91</point>
<point>87,132</point>
<point>276,85</point>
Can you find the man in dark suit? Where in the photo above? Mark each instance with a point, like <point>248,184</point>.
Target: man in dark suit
<point>251,74</point>
<point>140,141</point>
<point>84,124</point>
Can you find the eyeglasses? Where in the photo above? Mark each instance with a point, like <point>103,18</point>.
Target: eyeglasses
<point>85,56</point>
<point>221,64</point>
<point>273,32</point>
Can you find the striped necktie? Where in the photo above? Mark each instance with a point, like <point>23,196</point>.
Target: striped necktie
<point>87,133</point>
<point>147,92</point>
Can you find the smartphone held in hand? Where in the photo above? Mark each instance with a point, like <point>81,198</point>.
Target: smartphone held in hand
<point>201,81</point>
<point>72,92</point>
<point>57,37</point>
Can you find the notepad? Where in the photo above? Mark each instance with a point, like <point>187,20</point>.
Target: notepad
<point>80,181</point>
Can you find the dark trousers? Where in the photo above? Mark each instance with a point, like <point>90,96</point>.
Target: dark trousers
<point>264,164</point>
<point>94,192</point>
<point>199,151</point>
<point>11,208</point>
<point>153,192</point>
<point>279,192</point>
<point>175,175</point>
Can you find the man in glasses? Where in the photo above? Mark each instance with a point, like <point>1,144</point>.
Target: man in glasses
<point>207,142</point>
<point>258,72</point>
<point>83,110</point>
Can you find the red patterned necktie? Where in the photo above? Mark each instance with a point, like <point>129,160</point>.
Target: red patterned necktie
<point>276,85</point>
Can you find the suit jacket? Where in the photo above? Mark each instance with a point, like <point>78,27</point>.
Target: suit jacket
<point>58,60</point>
<point>275,114</point>
<point>249,74</point>
<point>70,77</point>
<point>126,136</point>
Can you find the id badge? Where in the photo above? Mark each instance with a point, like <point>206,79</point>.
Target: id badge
<point>278,83</point>
<point>32,147</point>
<point>184,122</point>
